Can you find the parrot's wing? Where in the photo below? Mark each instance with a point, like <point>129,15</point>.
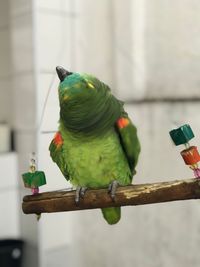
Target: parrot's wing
<point>57,155</point>
<point>129,140</point>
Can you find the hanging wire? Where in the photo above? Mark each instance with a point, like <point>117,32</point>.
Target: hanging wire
<point>45,103</point>
<point>59,58</point>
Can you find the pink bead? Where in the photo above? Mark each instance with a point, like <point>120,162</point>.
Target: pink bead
<point>197,173</point>
<point>35,191</point>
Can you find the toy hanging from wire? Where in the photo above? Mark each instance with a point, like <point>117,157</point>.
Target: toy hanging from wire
<point>34,179</point>
<point>190,155</point>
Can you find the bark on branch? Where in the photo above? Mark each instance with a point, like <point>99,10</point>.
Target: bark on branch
<point>57,201</point>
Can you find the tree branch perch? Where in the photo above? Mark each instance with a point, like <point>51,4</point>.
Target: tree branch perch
<point>140,194</point>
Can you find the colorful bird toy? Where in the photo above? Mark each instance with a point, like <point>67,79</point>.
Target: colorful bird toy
<point>34,179</point>
<point>190,155</point>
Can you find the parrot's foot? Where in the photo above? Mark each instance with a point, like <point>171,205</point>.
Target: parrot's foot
<point>112,188</point>
<point>80,192</point>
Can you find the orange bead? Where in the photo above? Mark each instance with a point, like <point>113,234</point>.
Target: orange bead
<point>190,155</point>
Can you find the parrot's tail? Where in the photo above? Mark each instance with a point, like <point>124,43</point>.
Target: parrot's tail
<point>112,215</point>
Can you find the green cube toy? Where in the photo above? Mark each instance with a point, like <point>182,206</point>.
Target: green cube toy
<point>34,180</point>
<point>181,135</point>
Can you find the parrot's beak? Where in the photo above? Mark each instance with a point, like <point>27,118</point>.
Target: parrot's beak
<point>62,73</point>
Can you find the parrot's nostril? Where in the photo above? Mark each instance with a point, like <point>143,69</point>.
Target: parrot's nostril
<point>62,73</point>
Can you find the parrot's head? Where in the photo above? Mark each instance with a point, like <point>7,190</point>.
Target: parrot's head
<point>76,87</point>
<point>85,102</point>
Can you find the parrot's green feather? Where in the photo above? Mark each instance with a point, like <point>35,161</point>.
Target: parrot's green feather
<point>94,150</point>
<point>130,143</point>
<point>59,158</point>
<point>112,215</point>
<point>94,162</point>
<point>91,111</point>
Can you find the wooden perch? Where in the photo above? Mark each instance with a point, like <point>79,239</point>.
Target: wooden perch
<point>57,201</point>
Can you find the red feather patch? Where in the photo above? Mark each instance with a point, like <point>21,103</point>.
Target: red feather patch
<point>122,122</point>
<point>58,141</point>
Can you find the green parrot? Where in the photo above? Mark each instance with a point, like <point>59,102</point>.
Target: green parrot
<point>96,145</point>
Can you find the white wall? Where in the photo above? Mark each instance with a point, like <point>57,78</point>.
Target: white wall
<point>5,86</point>
<point>172,48</point>
<point>24,113</point>
<point>9,199</point>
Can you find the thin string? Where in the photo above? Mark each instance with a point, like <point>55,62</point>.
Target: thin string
<point>38,127</point>
<point>59,58</point>
<point>60,55</point>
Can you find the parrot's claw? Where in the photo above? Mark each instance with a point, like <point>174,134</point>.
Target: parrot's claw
<point>112,188</point>
<point>80,192</point>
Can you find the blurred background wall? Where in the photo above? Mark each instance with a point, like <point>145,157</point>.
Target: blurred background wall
<point>148,52</point>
